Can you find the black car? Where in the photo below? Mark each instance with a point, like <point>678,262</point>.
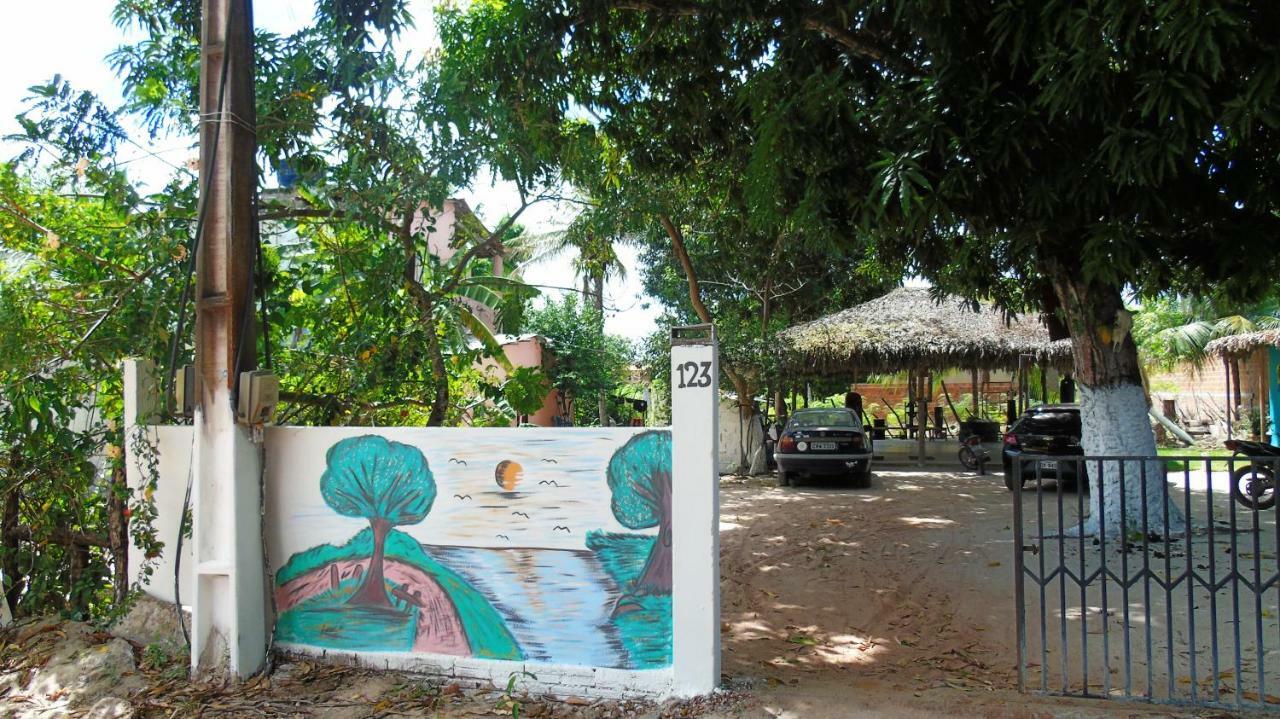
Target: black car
<point>1040,440</point>
<point>823,442</point>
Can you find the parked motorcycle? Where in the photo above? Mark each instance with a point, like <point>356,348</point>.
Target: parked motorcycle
<point>1254,484</point>
<point>972,455</point>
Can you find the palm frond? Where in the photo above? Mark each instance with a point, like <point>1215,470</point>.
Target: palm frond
<point>481,332</point>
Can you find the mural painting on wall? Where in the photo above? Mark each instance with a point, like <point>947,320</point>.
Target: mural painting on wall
<point>551,548</point>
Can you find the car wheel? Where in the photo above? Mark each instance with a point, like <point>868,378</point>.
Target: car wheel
<point>1013,484</point>
<point>784,479</point>
<point>864,479</point>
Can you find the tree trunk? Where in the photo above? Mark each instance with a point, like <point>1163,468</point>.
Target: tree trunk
<point>1236,399</point>
<point>598,297</point>
<point>78,558</point>
<point>1113,412</point>
<point>373,591</point>
<point>741,386</point>
<point>8,536</point>
<point>118,535</point>
<point>655,578</point>
<point>439,402</point>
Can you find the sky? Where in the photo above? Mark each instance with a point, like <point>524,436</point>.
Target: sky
<point>73,37</point>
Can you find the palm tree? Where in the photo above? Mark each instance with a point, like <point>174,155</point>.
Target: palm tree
<point>589,236</point>
<point>1176,329</point>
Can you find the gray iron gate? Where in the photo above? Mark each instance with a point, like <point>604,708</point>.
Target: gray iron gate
<point>1193,619</point>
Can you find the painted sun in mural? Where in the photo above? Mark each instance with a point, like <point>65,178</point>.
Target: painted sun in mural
<point>508,474</point>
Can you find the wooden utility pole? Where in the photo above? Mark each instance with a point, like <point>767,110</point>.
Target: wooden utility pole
<point>228,614</point>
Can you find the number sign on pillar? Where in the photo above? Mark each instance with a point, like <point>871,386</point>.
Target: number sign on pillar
<point>695,375</point>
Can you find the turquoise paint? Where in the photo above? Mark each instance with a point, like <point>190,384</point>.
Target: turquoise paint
<point>640,480</point>
<point>643,622</point>
<point>327,620</point>
<point>1274,374</point>
<point>370,478</point>
<point>486,633</point>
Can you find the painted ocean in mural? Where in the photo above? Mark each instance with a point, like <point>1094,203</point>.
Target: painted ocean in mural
<point>539,545</point>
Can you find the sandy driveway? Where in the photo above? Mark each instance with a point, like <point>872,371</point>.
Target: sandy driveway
<point>896,600</point>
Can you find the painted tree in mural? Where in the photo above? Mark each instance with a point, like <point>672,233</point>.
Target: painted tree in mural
<point>388,483</point>
<point>640,479</point>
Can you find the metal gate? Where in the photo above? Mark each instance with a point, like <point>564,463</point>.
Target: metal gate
<point>1191,618</point>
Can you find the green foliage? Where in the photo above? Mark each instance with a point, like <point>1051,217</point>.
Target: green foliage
<point>366,325</point>
<point>585,361</point>
<point>1170,329</point>
<point>374,478</point>
<point>980,145</point>
<point>86,280</point>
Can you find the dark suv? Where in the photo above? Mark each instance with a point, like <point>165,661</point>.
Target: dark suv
<point>1039,441</point>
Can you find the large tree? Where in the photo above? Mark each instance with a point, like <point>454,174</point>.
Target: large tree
<point>387,483</point>
<point>1045,154</point>
<point>372,136</point>
<point>586,362</point>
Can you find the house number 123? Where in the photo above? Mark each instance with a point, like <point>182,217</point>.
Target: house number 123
<point>693,374</point>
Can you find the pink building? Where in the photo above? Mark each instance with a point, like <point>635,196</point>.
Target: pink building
<point>449,229</point>
<point>527,351</point>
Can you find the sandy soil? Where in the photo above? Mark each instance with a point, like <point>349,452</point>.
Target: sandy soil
<point>896,600</point>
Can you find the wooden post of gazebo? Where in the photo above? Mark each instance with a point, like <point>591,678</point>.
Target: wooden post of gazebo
<point>1226,367</point>
<point>976,410</point>
<point>911,403</point>
<point>922,416</point>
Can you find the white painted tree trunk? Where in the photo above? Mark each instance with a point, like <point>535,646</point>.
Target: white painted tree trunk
<point>1114,422</point>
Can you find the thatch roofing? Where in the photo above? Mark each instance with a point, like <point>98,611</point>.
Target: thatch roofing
<point>1243,344</point>
<point>908,330</point>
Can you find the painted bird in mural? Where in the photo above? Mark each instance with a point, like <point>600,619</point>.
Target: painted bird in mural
<point>462,496</point>
<point>551,482</point>
<point>558,527</point>
<point>503,536</point>
<point>550,461</point>
<point>455,460</point>
<point>521,514</point>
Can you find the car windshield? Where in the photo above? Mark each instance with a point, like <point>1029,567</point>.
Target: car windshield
<point>1059,422</point>
<point>832,418</point>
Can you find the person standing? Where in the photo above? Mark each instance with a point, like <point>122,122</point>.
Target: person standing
<point>853,401</point>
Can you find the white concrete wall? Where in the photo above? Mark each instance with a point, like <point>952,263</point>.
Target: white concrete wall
<point>738,436</point>
<point>173,450</point>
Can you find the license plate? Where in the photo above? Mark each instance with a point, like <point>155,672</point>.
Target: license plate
<point>824,445</point>
<point>1048,464</point>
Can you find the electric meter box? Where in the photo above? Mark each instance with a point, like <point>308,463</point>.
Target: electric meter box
<point>259,395</point>
<point>185,391</point>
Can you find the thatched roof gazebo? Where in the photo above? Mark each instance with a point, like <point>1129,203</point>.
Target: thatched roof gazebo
<point>1243,345</point>
<point>908,329</point>
<point>1263,348</point>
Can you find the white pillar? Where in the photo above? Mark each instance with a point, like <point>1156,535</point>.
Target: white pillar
<point>141,399</point>
<point>229,615</point>
<point>695,381</point>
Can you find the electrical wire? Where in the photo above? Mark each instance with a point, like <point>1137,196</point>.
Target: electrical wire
<point>182,530</point>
